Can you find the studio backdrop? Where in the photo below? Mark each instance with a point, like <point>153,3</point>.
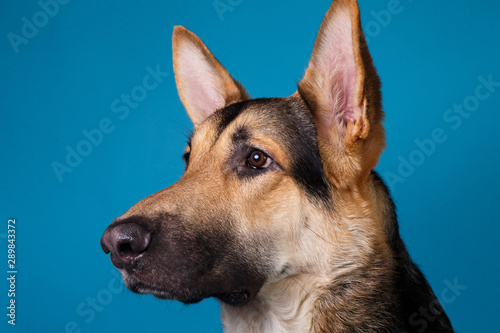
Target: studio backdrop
<point>91,123</point>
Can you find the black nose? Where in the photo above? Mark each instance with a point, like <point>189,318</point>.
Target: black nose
<point>127,243</point>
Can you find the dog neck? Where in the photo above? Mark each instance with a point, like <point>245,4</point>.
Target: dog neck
<point>314,304</point>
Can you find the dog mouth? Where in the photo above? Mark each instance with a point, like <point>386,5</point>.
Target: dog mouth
<point>236,298</point>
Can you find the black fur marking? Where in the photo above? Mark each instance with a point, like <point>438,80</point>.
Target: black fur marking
<point>415,293</point>
<point>308,171</point>
<point>226,116</point>
<point>242,134</point>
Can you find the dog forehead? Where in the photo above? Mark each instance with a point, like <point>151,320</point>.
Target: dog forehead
<point>283,119</point>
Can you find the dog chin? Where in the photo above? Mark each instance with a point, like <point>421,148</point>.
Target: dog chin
<point>236,298</point>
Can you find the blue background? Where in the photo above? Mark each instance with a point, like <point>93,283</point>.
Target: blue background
<point>65,77</point>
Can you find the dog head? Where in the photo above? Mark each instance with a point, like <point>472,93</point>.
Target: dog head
<point>269,183</point>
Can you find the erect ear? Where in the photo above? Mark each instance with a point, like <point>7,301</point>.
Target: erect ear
<point>342,89</point>
<point>203,84</point>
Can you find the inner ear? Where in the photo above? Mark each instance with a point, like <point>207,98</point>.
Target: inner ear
<point>204,85</point>
<point>333,84</point>
<point>335,56</point>
<point>342,90</point>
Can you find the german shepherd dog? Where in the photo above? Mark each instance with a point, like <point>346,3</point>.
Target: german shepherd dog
<point>279,214</point>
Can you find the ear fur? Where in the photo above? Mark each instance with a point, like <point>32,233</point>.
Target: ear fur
<point>342,90</point>
<point>204,85</point>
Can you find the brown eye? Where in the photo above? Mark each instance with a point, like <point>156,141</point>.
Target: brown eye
<point>187,153</point>
<point>257,159</point>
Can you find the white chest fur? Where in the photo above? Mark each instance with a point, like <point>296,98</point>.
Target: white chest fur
<point>285,306</point>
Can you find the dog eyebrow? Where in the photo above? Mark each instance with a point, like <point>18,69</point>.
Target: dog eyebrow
<point>226,116</point>
<point>241,134</point>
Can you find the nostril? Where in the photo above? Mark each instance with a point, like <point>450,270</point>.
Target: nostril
<point>125,248</point>
<point>131,238</point>
<point>126,242</point>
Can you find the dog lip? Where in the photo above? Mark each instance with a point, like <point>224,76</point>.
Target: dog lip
<point>143,289</point>
<point>192,300</point>
<point>238,298</point>
<point>140,288</point>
